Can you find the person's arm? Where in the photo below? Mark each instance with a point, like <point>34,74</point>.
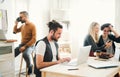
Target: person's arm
<point>33,39</point>
<point>40,50</point>
<point>91,42</point>
<point>65,59</point>
<point>15,29</point>
<point>113,38</point>
<point>115,33</point>
<point>41,64</point>
<point>101,43</point>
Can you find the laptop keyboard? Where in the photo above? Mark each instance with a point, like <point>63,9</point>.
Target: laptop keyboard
<point>72,62</point>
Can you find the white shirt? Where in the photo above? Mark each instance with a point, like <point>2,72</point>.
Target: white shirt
<point>41,46</point>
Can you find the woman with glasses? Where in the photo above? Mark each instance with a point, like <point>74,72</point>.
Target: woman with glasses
<point>107,36</point>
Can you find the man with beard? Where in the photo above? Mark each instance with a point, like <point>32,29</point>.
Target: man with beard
<point>47,49</point>
<point>28,38</point>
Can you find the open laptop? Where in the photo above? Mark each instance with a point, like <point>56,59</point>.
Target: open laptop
<point>103,64</point>
<point>98,64</point>
<point>82,57</point>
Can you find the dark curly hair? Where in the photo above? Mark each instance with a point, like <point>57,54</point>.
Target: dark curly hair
<point>105,25</point>
<point>54,25</point>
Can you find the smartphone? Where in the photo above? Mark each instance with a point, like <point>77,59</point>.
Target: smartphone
<point>109,41</point>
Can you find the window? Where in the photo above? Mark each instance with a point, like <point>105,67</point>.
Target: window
<point>3,20</point>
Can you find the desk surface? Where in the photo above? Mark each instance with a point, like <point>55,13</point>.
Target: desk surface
<point>84,71</point>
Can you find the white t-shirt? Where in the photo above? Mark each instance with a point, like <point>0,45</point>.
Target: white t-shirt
<point>41,46</point>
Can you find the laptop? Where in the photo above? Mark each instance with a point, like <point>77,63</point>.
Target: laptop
<point>98,64</point>
<point>103,64</point>
<point>82,57</point>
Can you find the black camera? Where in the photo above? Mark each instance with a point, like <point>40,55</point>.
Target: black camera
<point>18,19</point>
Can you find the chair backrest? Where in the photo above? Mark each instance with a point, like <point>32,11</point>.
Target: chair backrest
<point>37,43</point>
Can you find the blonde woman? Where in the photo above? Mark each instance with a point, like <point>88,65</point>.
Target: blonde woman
<point>93,37</point>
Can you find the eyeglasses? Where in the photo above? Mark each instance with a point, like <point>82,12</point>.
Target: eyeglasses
<point>106,30</point>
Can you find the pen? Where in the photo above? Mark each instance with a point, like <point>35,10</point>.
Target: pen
<point>73,69</point>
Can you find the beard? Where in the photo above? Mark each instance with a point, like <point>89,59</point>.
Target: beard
<point>23,21</point>
<point>53,38</point>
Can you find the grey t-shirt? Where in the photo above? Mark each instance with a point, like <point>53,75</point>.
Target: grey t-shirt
<point>110,49</point>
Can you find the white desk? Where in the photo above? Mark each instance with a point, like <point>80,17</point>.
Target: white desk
<point>60,70</point>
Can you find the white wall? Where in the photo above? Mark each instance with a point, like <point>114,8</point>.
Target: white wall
<point>9,5</point>
<point>117,15</point>
<point>13,8</point>
<point>39,14</point>
<point>83,12</point>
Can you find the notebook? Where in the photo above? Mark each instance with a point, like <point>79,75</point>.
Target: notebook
<point>83,55</point>
<point>103,64</point>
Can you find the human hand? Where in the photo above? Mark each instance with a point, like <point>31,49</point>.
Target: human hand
<point>111,28</point>
<point>59,61</point>
<point>111,55</point>
<point>105,55</point>
<point>22,48</point>
<point>67,59</point>
<point>16,22</point>
<point>108,44</point>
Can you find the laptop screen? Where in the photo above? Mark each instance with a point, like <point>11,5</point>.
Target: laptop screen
<point>83,54</point>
